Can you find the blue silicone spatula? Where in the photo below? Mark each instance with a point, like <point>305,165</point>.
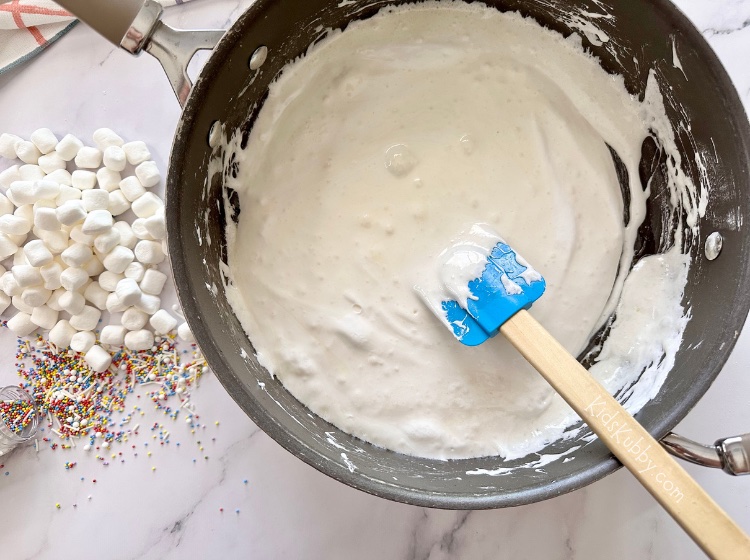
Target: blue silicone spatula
<point>486,287</point>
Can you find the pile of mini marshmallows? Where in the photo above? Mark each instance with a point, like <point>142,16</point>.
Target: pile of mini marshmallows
<point>72,258</point>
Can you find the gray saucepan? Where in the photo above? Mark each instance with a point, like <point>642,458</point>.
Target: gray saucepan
<point>640,35</point>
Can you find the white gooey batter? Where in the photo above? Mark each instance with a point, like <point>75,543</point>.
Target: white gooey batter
<point>371,153</point>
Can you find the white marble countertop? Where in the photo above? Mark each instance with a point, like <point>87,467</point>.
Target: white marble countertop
<point>286,509</point>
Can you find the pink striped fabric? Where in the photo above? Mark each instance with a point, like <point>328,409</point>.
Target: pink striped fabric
<point>28,26</point>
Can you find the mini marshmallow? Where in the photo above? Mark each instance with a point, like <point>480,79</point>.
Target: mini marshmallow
<point>114,305</point>
<point>118,259</point>
<point>56,241</point>
<point>26,275</point>
<point>9,284</point>
<point>77,235</point>
<point>107,280</point>
<point>107,241</point>
<point>51,162</point>
<point>44,317</point>
<point>31,172</point>
<point>149,252</point>
<point>73,279</point>
<point>97,295</point>
<point>20,257</point>
<point>68,147</point>
<point>118,204</point>
<point>96,222</point>
<point>37,253</point>
<point>113,335</point>
<point>132,189</point>
<point>9,175</point>
<point>61,334</point>
<point>71,212</point>
<point>114,158</point>
<point>72,302</point>
<point>83,180</point>
<point>67,193</point>
<point>19,240</point>
<point>139,340</point>
<point>135,271</point>
<point>108,180</point>
<point>21,193</point>
<point>4,302</point>
<point>43,204</point>
<point>153,282</point>
<point>127,237</point>
<point>162,322</point>
<point>106,137</point>
<point>21,324</point>
<point>46,219</point>
<point>133,319</point>
<point>139,229</point>
<point>7,247</point>
<point>26,211</point>
<point>51,275</point>
<point>35,296</point>
<point>95,199</point>
<point>61,177</point>
<point>136,152</point>
<point>148,174</point>
<point>44,139</point>
<point>88,158</point>
<point>77,255</point>
<point>93,266</point>
<point>83,341</point>
<point>22,306</point>
<point>98,359</point>
<point>8,144</point>
<point>146,205</point>
<point>128,292</point>
<point>149,304</point>
<point>6,206</point>
<point>14,225</point>
<point>27,152</point>
<point>156,225</point>
<point>54,300</point>
<point>87,319</point>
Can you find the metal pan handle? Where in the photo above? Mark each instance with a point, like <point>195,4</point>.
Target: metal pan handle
<point>110,18</point>
<point>731,454</point>
<point>136,26</point>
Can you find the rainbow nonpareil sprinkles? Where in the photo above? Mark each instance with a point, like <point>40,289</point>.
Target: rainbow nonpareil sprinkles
<point>80,404</point>
<point>16,415</point>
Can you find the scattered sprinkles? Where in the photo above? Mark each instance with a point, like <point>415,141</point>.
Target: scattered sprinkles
<point>81,404</point>
<point>96,411</point>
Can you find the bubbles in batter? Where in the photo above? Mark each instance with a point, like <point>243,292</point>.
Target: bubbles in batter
<point>399,160</point>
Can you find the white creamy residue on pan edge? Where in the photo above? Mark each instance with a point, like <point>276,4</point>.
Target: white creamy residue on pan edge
<point>382,143</point>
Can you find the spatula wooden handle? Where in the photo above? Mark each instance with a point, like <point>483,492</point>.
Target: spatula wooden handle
<point>702,518</point>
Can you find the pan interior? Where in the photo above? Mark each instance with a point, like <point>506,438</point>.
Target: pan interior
<point>716,293</point>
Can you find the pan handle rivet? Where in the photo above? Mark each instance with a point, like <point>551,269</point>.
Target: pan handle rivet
<point>258,57</point>
<point>714,242</point>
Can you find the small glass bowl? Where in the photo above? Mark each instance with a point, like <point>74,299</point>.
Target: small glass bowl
<point>19,418</point>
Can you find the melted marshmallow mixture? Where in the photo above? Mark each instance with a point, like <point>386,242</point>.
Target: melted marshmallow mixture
<point>372,153</point>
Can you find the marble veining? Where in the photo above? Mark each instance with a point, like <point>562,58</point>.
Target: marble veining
<point>287,509</point>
